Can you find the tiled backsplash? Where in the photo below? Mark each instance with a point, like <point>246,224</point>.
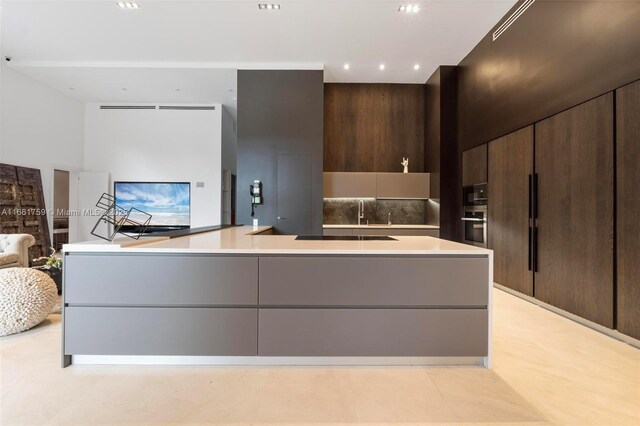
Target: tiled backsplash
<point>345,211</point>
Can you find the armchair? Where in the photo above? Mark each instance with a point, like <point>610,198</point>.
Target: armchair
<point>14,250</point>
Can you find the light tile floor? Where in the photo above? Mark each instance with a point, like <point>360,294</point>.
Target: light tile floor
<point>548,370</point>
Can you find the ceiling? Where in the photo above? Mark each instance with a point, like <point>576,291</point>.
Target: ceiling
<point>97,48</point>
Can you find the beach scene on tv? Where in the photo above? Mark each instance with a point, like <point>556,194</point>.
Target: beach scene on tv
<point>167,203</point>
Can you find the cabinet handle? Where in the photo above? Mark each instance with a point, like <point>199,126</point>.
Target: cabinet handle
<point>530,206</point>
<point>535,222</point>
<point>535,249</point>
<point>530,260</point>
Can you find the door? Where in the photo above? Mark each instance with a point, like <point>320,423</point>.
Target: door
<point>574,163</point>
<point>510,168</point>
<point>91,185</point>
<point>628,208</point>
<point>294,194</point>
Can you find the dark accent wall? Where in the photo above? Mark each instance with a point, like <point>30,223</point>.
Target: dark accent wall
<point>370,127</point>
<point>279,112</point>
<point>556,55</point>
<point>442,157</point>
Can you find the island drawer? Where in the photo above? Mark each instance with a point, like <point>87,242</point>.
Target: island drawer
<point>140,279</point>
<point>373,332</point>
<point>160,331</point>
<point>367,281</point>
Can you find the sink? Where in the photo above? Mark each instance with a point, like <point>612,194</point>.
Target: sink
<point>345,238</point>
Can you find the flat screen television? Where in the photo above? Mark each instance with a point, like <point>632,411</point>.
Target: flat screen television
<point>168,203</point>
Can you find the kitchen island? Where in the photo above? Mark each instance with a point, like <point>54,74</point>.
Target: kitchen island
<point>237,296</point>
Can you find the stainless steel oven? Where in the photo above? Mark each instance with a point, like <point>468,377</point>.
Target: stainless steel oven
<point>474,223</point>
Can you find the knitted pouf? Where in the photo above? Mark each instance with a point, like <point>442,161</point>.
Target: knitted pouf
<point>27,297</point>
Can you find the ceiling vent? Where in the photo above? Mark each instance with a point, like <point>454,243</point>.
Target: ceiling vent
<point>127,107</point>
<point>512,18</point>
<point>188,108</point>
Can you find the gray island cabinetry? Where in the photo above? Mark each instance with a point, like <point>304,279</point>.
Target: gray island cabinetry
<point>230,297</point>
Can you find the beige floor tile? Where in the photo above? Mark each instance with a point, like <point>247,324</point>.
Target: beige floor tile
<point>396,395</point>
<point>478,394</point>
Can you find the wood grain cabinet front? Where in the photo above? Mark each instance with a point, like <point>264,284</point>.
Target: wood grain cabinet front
<point>628,209</point>
<point>160,280</point>
<point>474,166</point>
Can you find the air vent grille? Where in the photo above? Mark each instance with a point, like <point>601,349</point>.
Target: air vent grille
<point>188,108</point>
<point>127,107</point>
<point>512,18</point>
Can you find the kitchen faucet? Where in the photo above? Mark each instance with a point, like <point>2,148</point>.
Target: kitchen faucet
<point>389,219</point>
<point>360,211</point>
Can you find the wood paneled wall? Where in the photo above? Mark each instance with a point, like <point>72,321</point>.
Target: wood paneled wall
<point>441,149</point>
<point>559,54</point>
<point>370,127</point>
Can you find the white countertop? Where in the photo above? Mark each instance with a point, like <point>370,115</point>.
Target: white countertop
<point>380,226</point>
<point>241,240</point>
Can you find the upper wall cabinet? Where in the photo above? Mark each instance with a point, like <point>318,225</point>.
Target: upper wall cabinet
<point>349,185</point>
<point>402,185</point>
<point>376,185</point>
<point>370,127</point>
<point>474,166</point>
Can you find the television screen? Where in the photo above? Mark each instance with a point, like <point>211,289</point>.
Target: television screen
<point>167,202</point>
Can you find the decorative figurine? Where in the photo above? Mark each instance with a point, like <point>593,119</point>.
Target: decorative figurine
<point>405,163</point>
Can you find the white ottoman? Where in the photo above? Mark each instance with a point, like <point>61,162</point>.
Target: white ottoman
<point>27,297</point>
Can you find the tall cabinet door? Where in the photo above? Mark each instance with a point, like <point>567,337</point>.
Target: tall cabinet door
<point>574,163</point>
<point>628,208</point>
<point>510,171</point>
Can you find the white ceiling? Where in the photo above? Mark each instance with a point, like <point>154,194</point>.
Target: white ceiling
<point>98,48</point>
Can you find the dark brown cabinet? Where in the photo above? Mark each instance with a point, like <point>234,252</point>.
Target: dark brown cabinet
<point>574,162</point>
<point>370,127</point>
<point>474,166</point>
<point>509,233</point>
<point>628,209</point>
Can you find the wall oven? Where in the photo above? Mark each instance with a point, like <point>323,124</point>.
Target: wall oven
<point>474,220</point>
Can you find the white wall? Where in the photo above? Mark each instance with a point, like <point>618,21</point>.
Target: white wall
<point>41,128</point>
<point>160,145</point>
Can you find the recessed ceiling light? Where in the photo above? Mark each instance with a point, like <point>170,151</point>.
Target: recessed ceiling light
<point>409,8</point>
<point>72,88</point>
<point>381,67</point>
<point>128,5</point>
<point>268,6</point>
<point>124,89</point>
<point>346,66</point>
<point>177,90</point>
<point>416,67</point>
